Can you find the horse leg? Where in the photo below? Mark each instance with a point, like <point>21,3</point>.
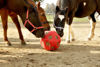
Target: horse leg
<point>93,24</point>
<point>72,34</point>
<point>68,33</point>
<point>69,30</point>
<point>16,22</point>
<point>4,17</point>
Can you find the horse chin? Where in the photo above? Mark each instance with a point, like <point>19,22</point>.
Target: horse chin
<point>39,34</point>
<point>47,29</point>
<point>61,34</point>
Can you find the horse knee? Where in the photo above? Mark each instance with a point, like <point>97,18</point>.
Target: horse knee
<point>5,26</point>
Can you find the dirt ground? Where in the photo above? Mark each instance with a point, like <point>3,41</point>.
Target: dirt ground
<point>81,53</point>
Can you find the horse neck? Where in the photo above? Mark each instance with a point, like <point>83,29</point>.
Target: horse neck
<point>58,3</point>
<point>63,3</point>
<point>23,17</point>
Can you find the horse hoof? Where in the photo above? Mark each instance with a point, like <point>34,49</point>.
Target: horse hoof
<point>68,41</point>
<point>73,39</point>
<point>89,39</point>
<point>7,43</point>
<point>23,42</point>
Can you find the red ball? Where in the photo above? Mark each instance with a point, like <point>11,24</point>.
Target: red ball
<point>51,41</point>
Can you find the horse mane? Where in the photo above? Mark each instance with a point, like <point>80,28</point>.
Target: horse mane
<point>32,2</point>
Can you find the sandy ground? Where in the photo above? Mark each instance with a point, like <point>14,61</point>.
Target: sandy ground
<point>81,53</point>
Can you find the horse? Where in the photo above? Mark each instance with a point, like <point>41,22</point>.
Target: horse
<point>28,14</point>
<point>66,10</point>
<point>4,16</point>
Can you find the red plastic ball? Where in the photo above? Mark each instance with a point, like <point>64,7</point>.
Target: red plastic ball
<point>51,41</point>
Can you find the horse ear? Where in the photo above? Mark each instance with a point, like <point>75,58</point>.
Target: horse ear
<point>57,9</point>
<point>38,5</point>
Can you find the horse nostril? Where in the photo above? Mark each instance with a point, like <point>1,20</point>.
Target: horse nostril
<point>61,34</point>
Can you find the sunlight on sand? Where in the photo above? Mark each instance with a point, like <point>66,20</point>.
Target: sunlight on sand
<point>4,61</point>
<point>95,52</point>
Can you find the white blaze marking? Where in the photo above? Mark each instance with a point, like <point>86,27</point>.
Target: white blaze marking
<point>61,17</point>
<point>84,3</point>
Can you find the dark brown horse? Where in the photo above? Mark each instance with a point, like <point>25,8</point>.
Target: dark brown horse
<point>20,7</point>
<point>68,9</point>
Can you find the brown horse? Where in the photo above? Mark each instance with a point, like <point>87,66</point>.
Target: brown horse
<point>4,16</point>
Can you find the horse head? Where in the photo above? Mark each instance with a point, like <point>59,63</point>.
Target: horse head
<point>42,17</point>
<point>31,19</point>
<point>59,20</point>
